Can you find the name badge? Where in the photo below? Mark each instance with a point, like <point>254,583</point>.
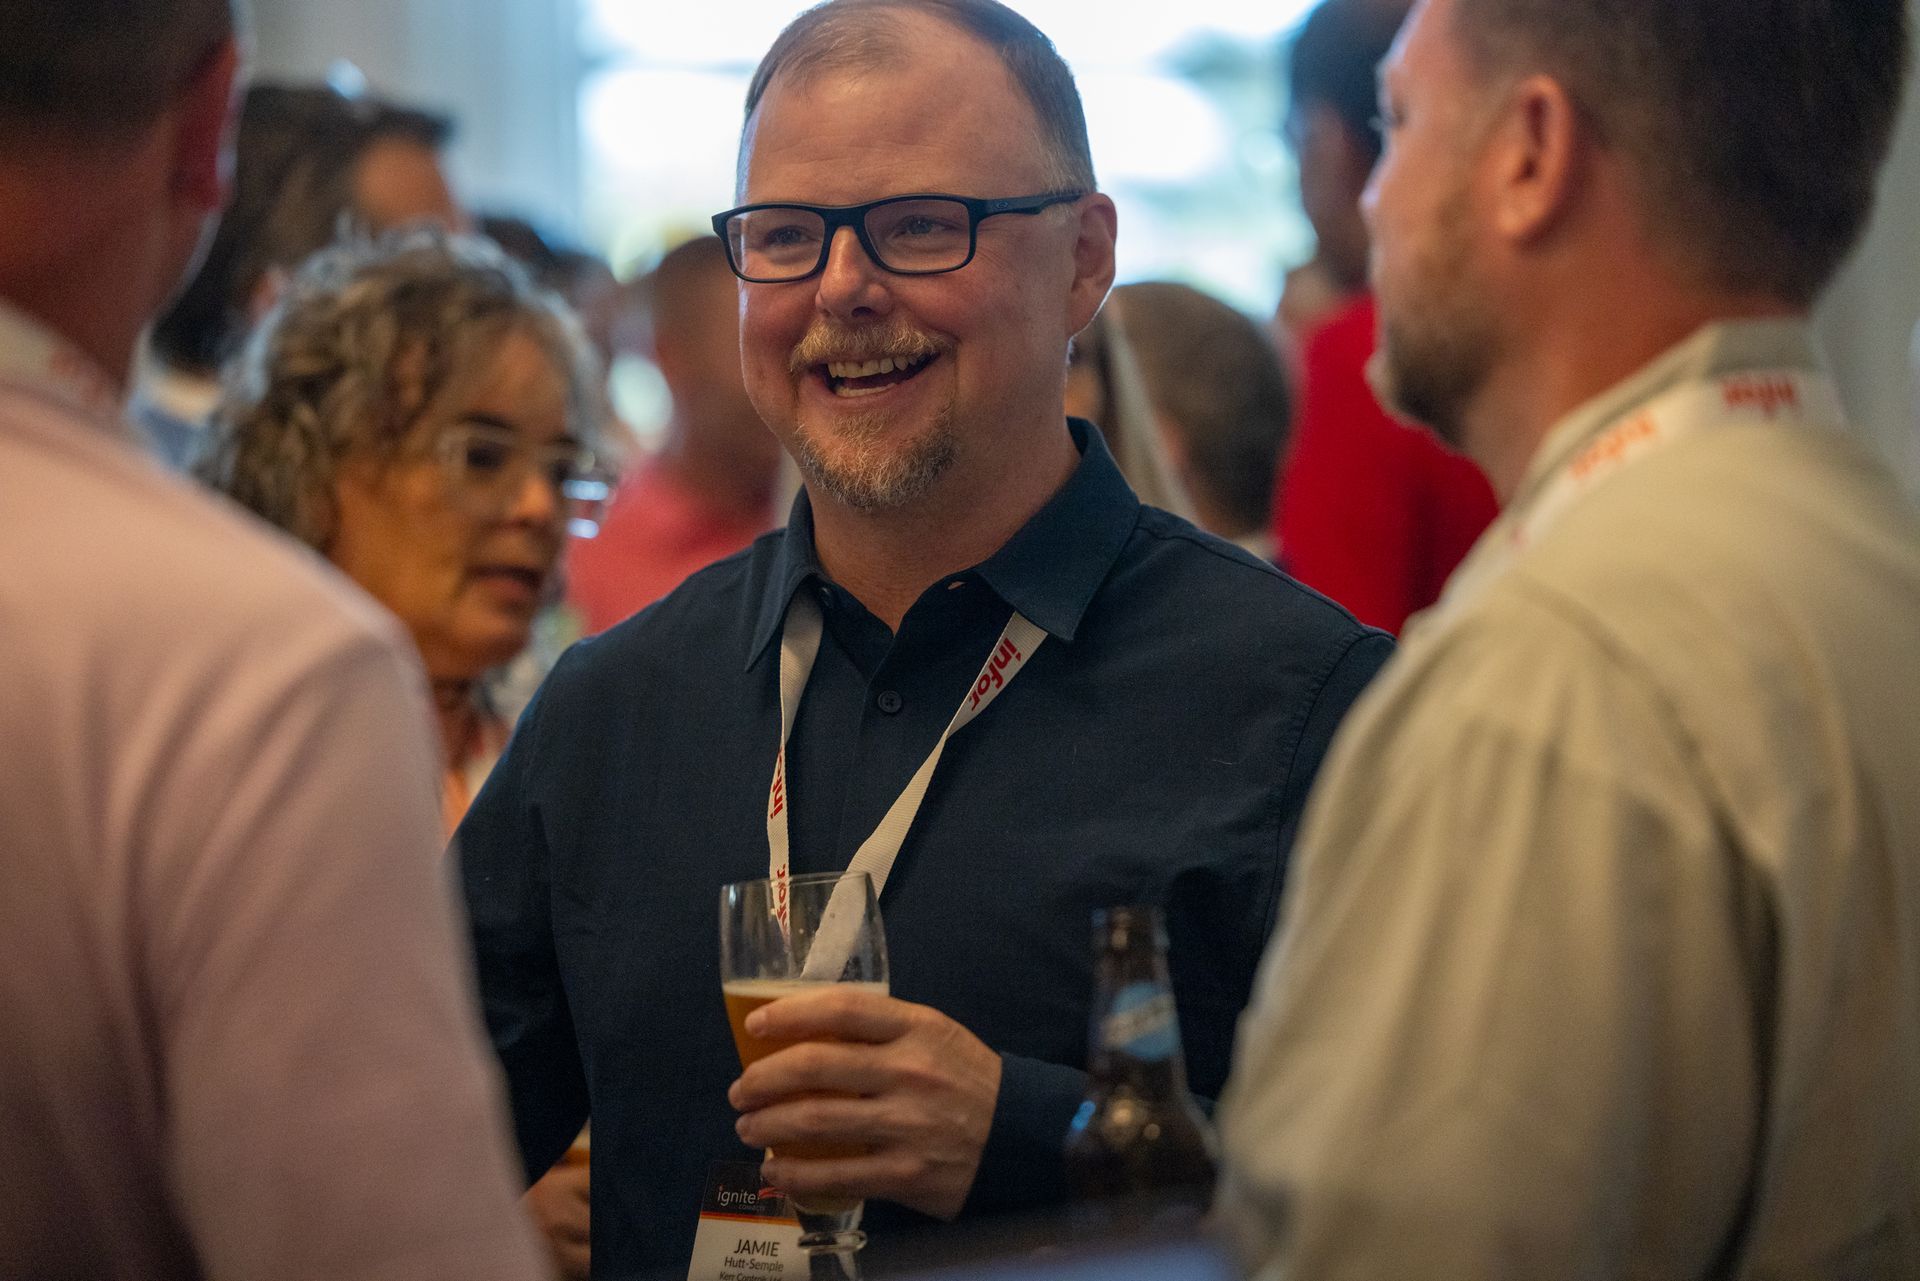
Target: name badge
<point>747,1230</point>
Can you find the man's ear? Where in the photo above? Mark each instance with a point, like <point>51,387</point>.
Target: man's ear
<point>203,128</point>
<point>1092,259</point>
<point>1537,150</point>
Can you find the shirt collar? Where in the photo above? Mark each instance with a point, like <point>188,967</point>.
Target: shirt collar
<point>794,562</point>
<point>35,357</point>
<point>1717,349</point>
<point>1713,351</point>
<point>1049,570</point>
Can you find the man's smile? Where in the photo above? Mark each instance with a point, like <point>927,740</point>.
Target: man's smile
<point>865,377</point>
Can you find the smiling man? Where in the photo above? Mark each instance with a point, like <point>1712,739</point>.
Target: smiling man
<point>1603,952</point>
<point>919,238</point>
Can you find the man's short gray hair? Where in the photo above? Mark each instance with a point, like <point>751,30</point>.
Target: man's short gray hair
<point>102,66</point>
<point>861,35</point>
<point>368,339</point>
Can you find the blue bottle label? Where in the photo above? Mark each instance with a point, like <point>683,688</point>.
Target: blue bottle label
<point>1140,1023</point>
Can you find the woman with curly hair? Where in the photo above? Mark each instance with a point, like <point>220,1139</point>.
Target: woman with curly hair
<point>420,415</point>
<point>416,412</point>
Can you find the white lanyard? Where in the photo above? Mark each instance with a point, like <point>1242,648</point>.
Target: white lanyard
<point>1779,396</point>
<point>35,358</point>
<point>799,646</point>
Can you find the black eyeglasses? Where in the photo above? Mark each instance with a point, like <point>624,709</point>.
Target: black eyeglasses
<point>918,235</point>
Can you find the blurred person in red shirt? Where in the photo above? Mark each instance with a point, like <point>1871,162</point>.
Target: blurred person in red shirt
<point>1372,512</point>
<point>709,490</point>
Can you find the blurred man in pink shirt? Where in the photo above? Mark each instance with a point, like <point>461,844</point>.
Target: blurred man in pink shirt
<point>240,1040</point>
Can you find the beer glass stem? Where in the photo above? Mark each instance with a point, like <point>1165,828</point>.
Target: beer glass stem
<point>832,1242</point>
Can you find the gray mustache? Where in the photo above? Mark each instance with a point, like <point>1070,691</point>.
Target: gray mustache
<point>822,346</point>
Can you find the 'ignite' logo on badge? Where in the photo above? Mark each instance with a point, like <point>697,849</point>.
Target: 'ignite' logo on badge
<point>736,1190</point>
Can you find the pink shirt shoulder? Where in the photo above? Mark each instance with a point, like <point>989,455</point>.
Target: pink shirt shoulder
<point>240,1041</point>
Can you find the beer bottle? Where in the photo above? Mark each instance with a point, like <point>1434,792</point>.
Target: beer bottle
<point>1138,1133</point>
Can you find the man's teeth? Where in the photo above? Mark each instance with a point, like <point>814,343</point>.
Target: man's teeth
<point>872,368</point>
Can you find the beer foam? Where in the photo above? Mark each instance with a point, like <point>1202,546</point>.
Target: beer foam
<point>774,989</point>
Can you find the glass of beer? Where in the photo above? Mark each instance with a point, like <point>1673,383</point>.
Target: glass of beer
<point>782,936</point>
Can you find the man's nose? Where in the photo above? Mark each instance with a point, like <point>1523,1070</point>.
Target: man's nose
<point>851,283</point>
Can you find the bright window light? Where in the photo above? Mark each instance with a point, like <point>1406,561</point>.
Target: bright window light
<point>1182,107</point>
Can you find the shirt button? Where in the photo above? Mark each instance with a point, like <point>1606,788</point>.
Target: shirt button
<point>890,702</point>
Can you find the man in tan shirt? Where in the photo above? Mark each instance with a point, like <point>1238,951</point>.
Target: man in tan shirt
<point>237,1038</point>
<point>1602,958</point>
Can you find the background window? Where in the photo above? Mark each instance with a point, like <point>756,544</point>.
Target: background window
<point>1182,106</point>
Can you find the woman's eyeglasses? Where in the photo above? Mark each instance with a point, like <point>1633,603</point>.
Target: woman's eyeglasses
<point>486,466</point>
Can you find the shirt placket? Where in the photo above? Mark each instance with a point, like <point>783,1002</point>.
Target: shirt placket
<point>906,699</point>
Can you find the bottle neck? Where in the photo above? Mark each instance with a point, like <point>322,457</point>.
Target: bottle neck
<point>1134,1040</point>
<point>1148,1079</point>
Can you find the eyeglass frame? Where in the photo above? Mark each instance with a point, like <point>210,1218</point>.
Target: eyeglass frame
<point>855,217</point>
<point>587,487</point>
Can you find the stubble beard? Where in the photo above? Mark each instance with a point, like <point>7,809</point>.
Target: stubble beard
<point>858,464</point>
<point>1439,343</point>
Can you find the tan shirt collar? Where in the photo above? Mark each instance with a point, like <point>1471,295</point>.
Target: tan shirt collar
<point>1716,349</point>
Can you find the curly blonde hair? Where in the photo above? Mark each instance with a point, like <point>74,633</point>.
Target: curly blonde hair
<point>368,339</point>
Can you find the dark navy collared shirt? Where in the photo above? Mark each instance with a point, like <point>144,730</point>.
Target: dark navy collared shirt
<point>1157,747</point>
